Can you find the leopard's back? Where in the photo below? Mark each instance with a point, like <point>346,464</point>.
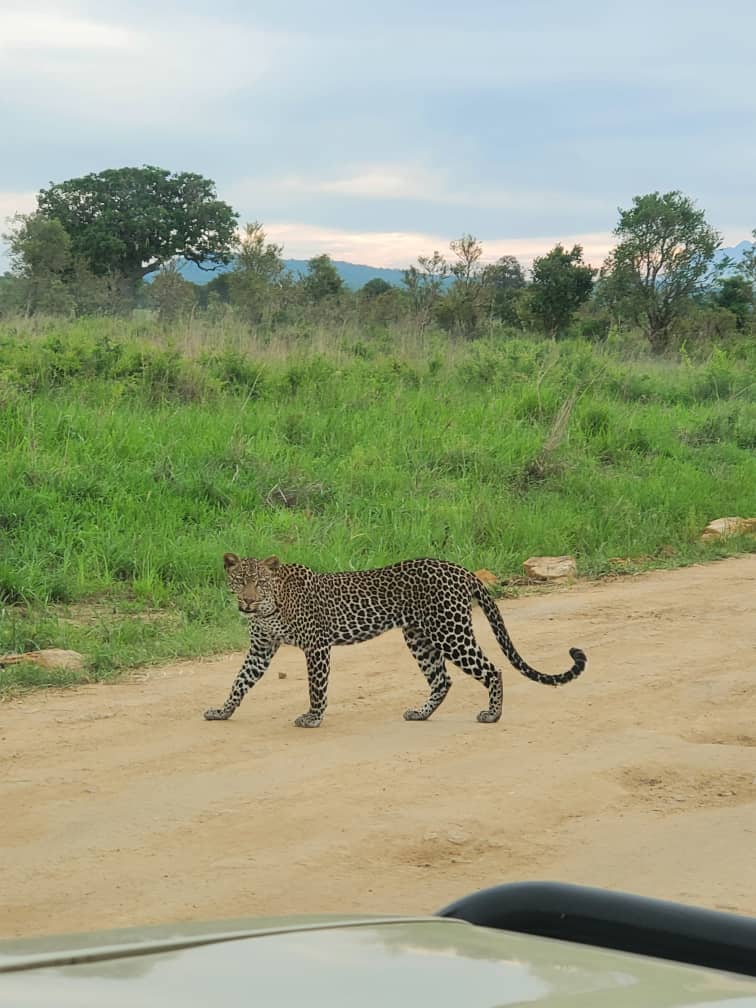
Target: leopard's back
<point>352,606</point>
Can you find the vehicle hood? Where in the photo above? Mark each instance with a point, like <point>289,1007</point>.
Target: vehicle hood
<point>335,962</point>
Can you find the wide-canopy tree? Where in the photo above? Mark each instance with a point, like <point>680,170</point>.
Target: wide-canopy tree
<point>130,221</point>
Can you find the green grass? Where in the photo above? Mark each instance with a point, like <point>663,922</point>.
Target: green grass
<point>130,466</point>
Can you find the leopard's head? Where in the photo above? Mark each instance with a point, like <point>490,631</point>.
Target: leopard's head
<point>253,583</point>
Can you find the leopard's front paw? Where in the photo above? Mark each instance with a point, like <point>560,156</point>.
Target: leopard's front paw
<point>217,714</point>
<point>308,720</point>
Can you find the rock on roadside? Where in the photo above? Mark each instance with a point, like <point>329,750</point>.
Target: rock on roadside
<point>49,658</point>
<point>721,528</point>
<point>556,569</point>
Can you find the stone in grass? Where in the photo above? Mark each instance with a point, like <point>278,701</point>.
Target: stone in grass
<point>488,578</point>
<point>721,528</point>
<point>556,569</point>
<point>49,658</point>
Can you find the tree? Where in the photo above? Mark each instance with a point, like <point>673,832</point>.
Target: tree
<point>11,295</point>
<point>258,271</point>
<point>747,265</point>
<point>468,251</point>
<point>379,302</point>
<point>172,295</point>
<point>40,254</point>
<point>561,283</point>
<point>503,280</point>
<point>97,295</point>
<point>465,306</point>
<point>216,291</point>
<point>736,295</point>
<point>374,288</point>
<point>51,279</point>
<point>322,280</point>
<point>127,222</point>
<point>257,257</point>
<point>38,245</point>
<point>663,257</point>
<point>425,286</point>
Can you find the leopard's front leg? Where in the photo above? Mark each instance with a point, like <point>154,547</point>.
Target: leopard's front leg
<point>318,669</point>
<point>260,654</point>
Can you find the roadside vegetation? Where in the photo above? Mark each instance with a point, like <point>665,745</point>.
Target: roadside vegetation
<point>130,466</point>
<point>475,412</point>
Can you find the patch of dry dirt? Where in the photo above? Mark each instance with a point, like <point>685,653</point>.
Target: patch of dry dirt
<point>121,806</point>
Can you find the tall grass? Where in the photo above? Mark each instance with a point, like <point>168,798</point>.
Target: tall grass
<point>130,464</point>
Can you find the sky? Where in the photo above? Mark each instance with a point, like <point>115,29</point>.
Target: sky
<point>379,132</point>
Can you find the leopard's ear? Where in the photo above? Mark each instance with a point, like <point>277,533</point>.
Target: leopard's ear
<point>230,560</point>
<point>272,563</point>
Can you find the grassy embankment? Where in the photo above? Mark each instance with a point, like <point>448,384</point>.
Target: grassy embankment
<point>130,464</point>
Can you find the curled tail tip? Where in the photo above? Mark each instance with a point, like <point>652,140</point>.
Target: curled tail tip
<point>579,657</point>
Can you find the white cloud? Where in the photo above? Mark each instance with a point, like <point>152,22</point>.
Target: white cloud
<point>411,182</point>
<point>380,181</point>
<point>399,249</point>
<point>16,202</point>
<point>373,182</point>
<point>514,46</point>
<point>397,127</point>
<point>12,203</point>
<point>733,236</point>
<point>35,30</point>
<point>168,68</point>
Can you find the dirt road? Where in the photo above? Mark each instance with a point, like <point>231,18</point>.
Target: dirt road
<point>119,805</point>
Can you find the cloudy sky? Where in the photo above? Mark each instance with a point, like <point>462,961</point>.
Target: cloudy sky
<point>377,132</point>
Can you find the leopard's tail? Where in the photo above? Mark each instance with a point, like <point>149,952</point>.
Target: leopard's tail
<point>501,633</point>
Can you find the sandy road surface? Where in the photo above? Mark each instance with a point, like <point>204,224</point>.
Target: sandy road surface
<point>119,805</point>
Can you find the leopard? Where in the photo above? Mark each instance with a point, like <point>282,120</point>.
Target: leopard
<point>429,600</point>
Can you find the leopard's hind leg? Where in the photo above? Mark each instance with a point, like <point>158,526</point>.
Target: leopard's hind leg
<point>464,651</point>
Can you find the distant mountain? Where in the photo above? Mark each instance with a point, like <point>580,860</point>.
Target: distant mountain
<point>353,274</point>
<point>736,252</point>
